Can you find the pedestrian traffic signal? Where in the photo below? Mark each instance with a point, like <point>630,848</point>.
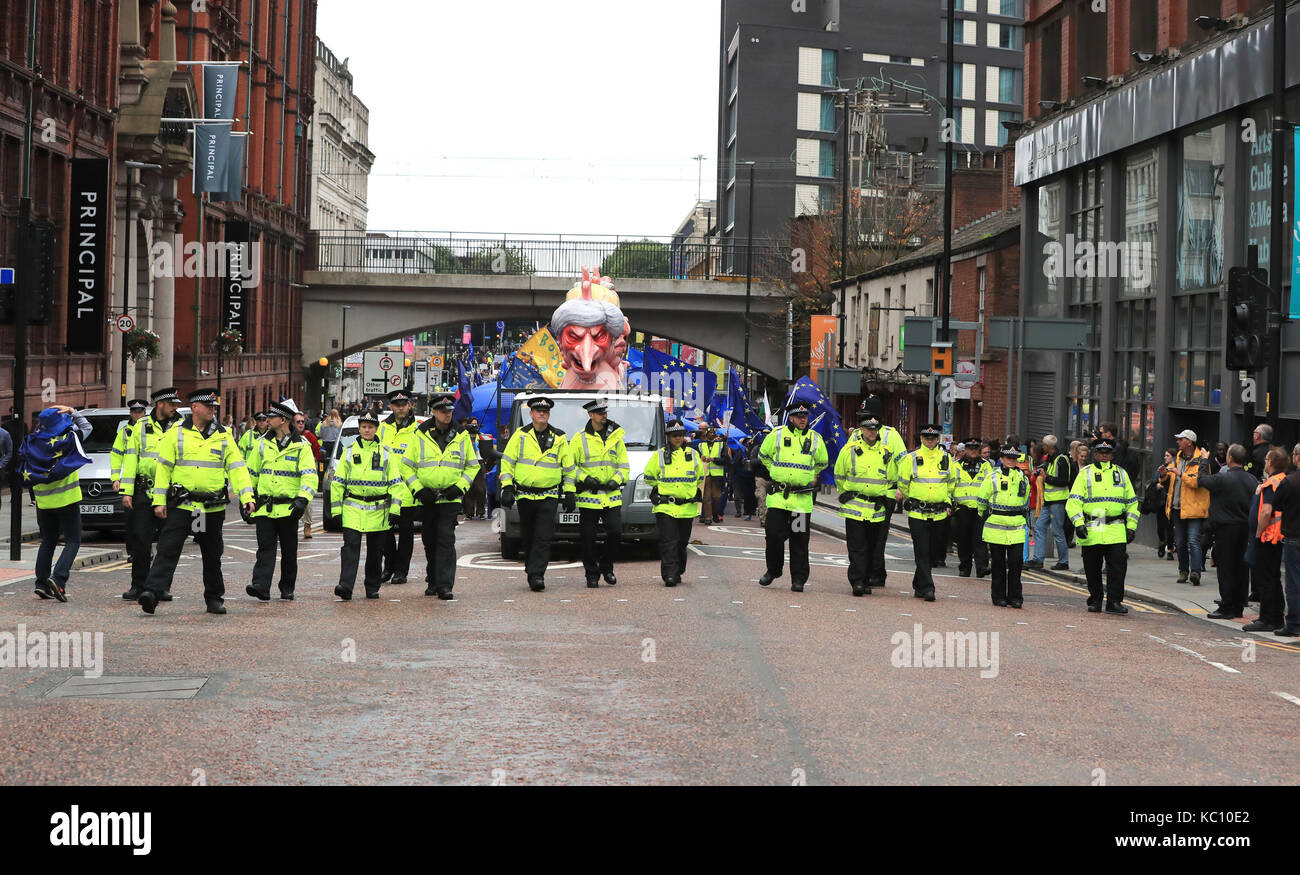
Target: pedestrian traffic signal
<point>1247,305</point>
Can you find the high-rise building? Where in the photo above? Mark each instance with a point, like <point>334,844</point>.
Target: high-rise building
<point>780,62</point>
<point>341,159</point>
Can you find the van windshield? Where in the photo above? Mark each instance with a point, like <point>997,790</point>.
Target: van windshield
<point>103,431</point>
<point>642,421</point>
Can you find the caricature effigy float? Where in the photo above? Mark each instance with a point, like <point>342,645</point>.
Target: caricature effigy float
<point>592,335</point>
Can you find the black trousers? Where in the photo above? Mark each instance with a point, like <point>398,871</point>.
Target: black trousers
<point>939,543</point>
<point>438,534</point>
<point>674,537</point>
<point>1115,559</point>
<point>350,557</point>
<point>782,524</point>
<point>476,497</point>
<point>400,543</point>
<point>1230,563</point>
<point>1268,582</point>
<point>270,532</point>
<point>142,529</point>
<point>968,531</point>
<point>1007,560</point>
<point>536,531</point>
<point>598,559</point>
<point>925,534</point>
<point>176,530</point>
<point>866,546</point>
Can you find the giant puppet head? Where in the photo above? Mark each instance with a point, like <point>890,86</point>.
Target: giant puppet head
<point>592,333</point>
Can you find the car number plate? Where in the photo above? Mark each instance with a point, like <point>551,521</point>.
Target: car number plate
<point>569,519</point>
<point>96,508</point>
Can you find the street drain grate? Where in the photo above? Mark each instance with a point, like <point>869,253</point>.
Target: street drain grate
<point>128,688</point>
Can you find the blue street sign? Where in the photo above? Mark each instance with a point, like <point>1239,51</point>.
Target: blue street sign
<point>6,276</point>
<point>501,326</point>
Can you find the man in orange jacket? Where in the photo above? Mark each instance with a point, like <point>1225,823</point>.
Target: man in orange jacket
<point>1187,505</point>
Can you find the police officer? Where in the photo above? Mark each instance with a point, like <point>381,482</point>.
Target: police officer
<point>971,471</point>
<point>439,468</point>
<point>676,475</point>
<point>1003,502</point>
<point>867,473</point>
<point>250,437</point>
<point>600,471</point>
<point>926,480</point>
<point>117,455</point>
<point>196,457</point>
<point>534,466</point>
<point>139,469</point>
<point>283,470</point>
<point>713,448</point>
<point>396,434</point>
<point>1104,511</point>
<point>794,456</point>
<point>366,485</point>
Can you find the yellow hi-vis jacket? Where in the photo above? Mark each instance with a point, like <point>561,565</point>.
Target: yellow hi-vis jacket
<point>966,489</point>
<point>1004,497</point>
<point>427,465</point>
<point>140,463</point>
<point>1102,499</point>
<point>202,462</point>
<point>927,476</point>
<point>712,452</point>
<point>603,457</point>
<point>117,455</point>
<point>793,459</point>
<point>367,486</point>
<point>398,437</point>
<point>868,471</point>
<point>676,474</point>
<point>281,469</point>
<point>536,473</point>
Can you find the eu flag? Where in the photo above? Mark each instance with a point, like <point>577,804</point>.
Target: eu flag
<point>823,419</point>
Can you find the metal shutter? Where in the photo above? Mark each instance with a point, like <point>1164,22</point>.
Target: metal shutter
<point>1040,398</point>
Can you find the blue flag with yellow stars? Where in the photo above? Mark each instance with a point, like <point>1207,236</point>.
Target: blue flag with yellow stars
<point>822,418</point>
<point>690,387</point>
<point>52,451</point>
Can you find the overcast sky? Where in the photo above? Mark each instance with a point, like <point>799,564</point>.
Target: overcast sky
<point>571,117</point>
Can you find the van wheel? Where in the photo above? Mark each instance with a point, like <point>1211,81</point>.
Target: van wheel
<point>510,548</point>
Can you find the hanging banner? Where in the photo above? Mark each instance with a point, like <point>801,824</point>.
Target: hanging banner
<point>233,188</point>
<point>219,84</point>
<point>88,207</point>
<point>211,157</point>
<point>234,287</point>
<point>1295,236</point>
<point>821,356</point>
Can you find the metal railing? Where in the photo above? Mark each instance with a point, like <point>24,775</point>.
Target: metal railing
<point>544,255</point>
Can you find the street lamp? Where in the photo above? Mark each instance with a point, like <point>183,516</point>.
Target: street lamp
<point>343,346</point>
<point>324,375</point>
<point>127,270</point>
<point>749,263</point>
<point>844,217</point>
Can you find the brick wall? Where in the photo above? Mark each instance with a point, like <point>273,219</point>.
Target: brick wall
<point>975,194</point>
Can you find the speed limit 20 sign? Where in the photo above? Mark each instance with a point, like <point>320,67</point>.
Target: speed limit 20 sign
<point>125,323</point>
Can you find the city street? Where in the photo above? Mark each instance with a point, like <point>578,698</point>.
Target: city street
<point>717,681</point>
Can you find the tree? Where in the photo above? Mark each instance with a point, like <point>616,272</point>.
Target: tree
<point>637,258</point>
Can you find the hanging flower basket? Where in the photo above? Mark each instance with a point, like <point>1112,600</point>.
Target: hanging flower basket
<point>229,343</point>
<point>141,343</point>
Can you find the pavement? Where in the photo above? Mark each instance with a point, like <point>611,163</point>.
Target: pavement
<point>1150,579</point>
<point>96,549</point>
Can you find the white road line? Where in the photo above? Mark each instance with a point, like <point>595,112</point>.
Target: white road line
<point>1290,698</point>
<point>1190,652</point>
<point>237,547</point>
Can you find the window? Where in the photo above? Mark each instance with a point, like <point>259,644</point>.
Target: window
<point>807,200</point>
<point>1010,83</point>
<point>826,158</point>
<point>1049,81</point>
<point>966,125</point>
<point>1142,25</point>
<point>1007,8</point>
<point>806,155</point>
<point>1134,387</point>
<point>816,67</point>
<point>1083,377</point>
<point>1197,349</point>
<point>816,112</point>
<point>929,297</point>
<point>1141,221</point>
<point>966,34</point>
<point>1005,36</point>
<point>1090,44</point>
<point>1200,211</point>
<point>994,133</point>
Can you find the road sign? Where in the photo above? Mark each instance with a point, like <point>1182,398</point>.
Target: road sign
<point>374,380</point>
<point>501,326</point>
<point>6,276</point>
<point>125,323</point>
<point>435,361</point>
<point>1040,334</point>
<point>395,381</point>
<point>966,375</point>
<point>386,363</point>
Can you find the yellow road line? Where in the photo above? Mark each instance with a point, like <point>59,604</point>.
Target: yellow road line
<point>107,566</point>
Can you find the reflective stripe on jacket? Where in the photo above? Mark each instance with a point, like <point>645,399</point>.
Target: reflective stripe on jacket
<point>966,489</point>
<point>793,459</point>
<point>201,462</point>
<point>603,458</point>
<point>927,475</point>
<point>1004,496</point>
<point>1101,493</point>
<point>867,470</point>
<point>366,486</point>
<point>281,473</point>
<point>427,465</point>
<point>141,460</point>
<point>528,467</point>
<point>681,476</point>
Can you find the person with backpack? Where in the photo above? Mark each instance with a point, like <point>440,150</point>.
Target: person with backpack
<point>49,460</point>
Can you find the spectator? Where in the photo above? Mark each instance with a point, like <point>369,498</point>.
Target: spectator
<point>742,481</point>
<point>474,504</point>
<point>1129,461</point>
<point>1230,493</point>
<point>1188,505</point>
<point>1056,473</point>
<point>1286,501</point>
<point>1263,440</point>
<point>986,450</point>
<point>330,429</point>
<point>300,427</point>
<point>1154,501</point>
<point>762,479</point>
<point>1269,546</point>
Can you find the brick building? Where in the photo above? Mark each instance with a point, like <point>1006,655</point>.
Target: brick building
<point>1149,152</point>
<point>73,119</point>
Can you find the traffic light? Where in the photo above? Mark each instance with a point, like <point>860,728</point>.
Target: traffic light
<point>1247,308</point>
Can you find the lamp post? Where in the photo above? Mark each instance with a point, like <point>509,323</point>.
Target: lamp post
<point>127,269</point>
<point>844,219</point>
<point>343,346</point>
<point>749,263</point>
<point>324,375</point>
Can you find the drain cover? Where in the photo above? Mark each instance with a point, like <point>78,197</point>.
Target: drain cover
<point>127,688</point>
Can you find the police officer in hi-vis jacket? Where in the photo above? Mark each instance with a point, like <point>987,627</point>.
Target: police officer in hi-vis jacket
<point>1003,502</point>
<point>866,474</point>
<point>534,466</point>
<point>1103,509</point>
<point>367,486</point>
<point>139,468</point>
<point>676,476</point>
<point>283,470</point>
<point>396,434</point>
<point>600,471</point>
<point>926,479</point>
<point>794,455</point>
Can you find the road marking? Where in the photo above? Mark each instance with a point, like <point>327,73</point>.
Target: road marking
<point>679,600</point>
<point>566,600</point>
<point>1191,652</point>
<point>617,600</point>
<point>737,603</point>
<point>850,610</point>
<point>904,615</point>
<point>231,546</point>
<point>794,606</point>
<point>1290,698</point>
<point>1021,623</point>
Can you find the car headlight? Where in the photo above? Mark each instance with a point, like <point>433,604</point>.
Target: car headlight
<point>641,491</point>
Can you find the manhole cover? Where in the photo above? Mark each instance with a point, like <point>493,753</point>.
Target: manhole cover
<point>127,688</point>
